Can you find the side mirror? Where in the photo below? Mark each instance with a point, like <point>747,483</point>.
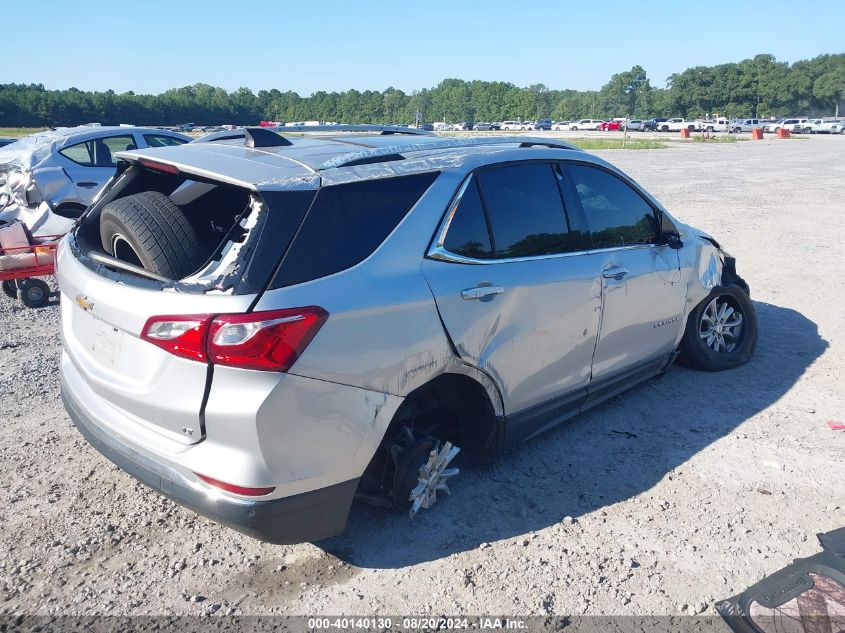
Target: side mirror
<point>672,240</point>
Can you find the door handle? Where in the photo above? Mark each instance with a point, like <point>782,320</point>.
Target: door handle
<point>479,292</point>
<point>88,184</point>
<point>614,273</point>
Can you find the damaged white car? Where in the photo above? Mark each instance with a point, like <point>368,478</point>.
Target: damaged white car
<point>49,178</point>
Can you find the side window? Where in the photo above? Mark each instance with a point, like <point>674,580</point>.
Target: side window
<point>467,233</point>
<point>525,210</point>
<point>158,140</point>
<point>81,153</point>
<point>616,214</point>
<point>98,152</point>
<point>346,223</point>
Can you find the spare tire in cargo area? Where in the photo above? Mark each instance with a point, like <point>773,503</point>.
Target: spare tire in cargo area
<point>147,229</point>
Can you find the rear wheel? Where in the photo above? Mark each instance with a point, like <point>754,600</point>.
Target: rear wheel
<point>147,229</point>
<point>10,288</point>
<point>721,331</point>
<point>33,293</point>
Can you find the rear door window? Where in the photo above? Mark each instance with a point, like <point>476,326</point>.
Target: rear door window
<point>99,152</point>
<point>525,210</point>
<point>616,214</point>
<point>467,234</point>
<point>346,224</point>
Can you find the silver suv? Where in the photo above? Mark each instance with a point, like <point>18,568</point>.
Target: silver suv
<point>264,328</point>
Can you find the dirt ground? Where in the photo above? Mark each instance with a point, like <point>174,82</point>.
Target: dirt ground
<point>684,491</point>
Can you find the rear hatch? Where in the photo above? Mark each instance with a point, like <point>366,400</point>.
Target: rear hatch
<point>102,321</point>
<point>105,307</point>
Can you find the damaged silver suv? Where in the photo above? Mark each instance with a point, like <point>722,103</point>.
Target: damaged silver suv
<point>265,327</point>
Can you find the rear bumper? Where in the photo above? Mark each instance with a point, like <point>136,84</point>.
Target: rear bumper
<point>309,516</point>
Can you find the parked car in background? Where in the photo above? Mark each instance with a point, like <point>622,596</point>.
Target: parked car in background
<point>818,126</point>
<point>616,124</point>
<point>636,125</point>
<point>485,127</point>
<point>676,124</point>
<point>713,125</point>
<point>746,125</point>
<point>542,124</point>
<point>562,126</point>
<point>796,125</point>
<point>773,126</point>
<point>652,124</point>
<point>587,124</point>
<point>838,128</point>
<point>49,178</point>
<point>256,374</point>
<point>512,125</point>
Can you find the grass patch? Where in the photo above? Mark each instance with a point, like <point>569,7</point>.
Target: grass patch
<point>596,143</point>
<point>18,132</point>
<point>715,139</point>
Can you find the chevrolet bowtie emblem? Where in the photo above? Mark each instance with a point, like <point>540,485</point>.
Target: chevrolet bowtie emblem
<point>84,302</point>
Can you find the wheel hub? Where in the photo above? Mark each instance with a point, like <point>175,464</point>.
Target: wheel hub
<point>432,477</point>
<point>721,326</point>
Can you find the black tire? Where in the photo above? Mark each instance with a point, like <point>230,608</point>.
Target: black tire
<point>10,288</point>
<point>33,293</point>
<point>147,229</point>
<point>700,351</point>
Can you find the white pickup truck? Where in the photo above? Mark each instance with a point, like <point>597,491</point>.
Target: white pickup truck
<point>676,125</point>
<point>819,126</point>
<point>713,125</point>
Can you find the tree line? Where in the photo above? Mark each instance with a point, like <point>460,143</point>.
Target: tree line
<point>761,86</point>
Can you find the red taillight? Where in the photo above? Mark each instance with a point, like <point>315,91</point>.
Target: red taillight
<point>239,490</point>
<point>267,341</point>
<point>180,335</point>
<point>157,166</point>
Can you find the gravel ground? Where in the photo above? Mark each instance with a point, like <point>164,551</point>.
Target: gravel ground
<point>684,491</point>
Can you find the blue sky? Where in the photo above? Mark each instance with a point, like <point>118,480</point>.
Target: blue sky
<point>152,45</point>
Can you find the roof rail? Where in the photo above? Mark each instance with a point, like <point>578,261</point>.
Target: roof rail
<point>378,154</point>
<point>227,135</point>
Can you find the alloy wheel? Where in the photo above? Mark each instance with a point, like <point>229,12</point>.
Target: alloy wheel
<point>721,325</point>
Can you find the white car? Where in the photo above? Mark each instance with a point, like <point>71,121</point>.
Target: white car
<point>713,125</point>
<point>838,127</point>
<point>562,126</point>
<point>513,125</point>
<point>636,125</point>
<point>773,126</point>
<point>819,126</point>
<point>676,125</point>
<point>793,125</point>
<point>587,124</point>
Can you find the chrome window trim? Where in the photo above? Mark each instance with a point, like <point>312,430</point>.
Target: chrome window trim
<point>438,252</point>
